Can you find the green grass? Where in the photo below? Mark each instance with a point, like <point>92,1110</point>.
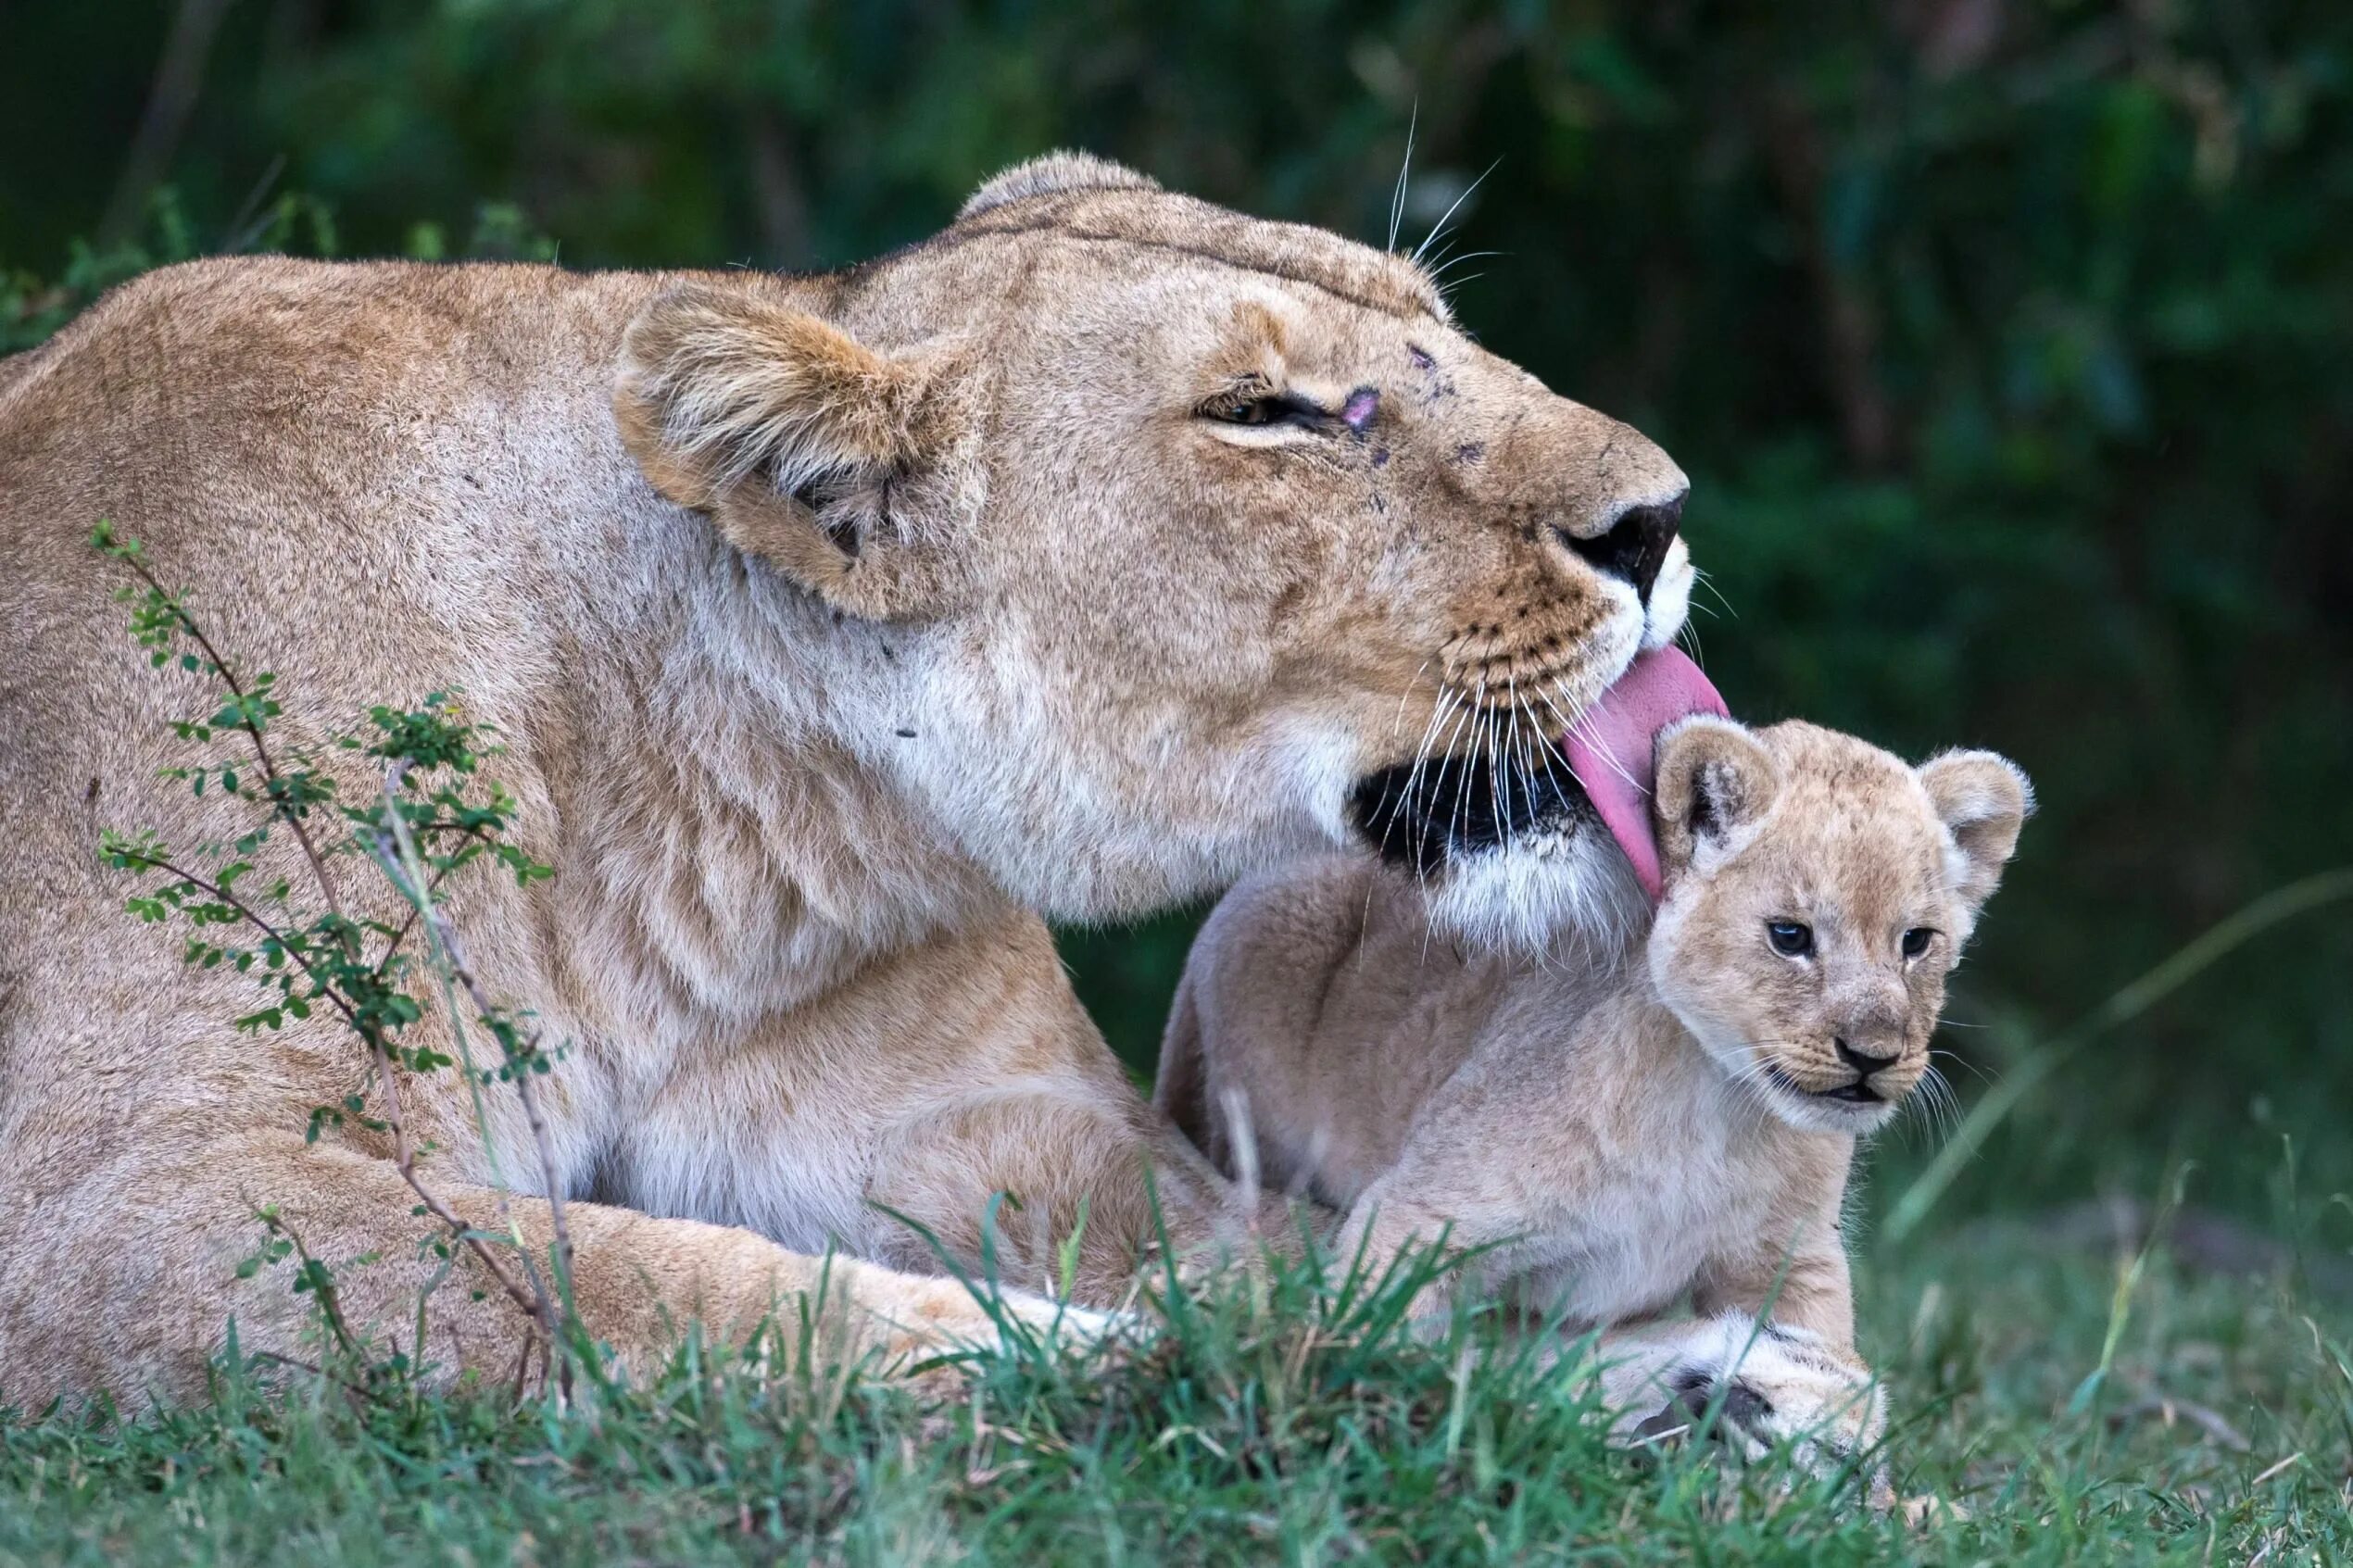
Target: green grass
<point>1247,1432</point>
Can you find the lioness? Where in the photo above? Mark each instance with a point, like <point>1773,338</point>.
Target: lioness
<point>1099,550</point>
<point>1622,1134</point>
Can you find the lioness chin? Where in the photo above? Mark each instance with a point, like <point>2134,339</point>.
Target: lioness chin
<point>1099,549</point>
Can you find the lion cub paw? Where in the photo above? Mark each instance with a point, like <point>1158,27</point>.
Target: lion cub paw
<point>1769,1387</point>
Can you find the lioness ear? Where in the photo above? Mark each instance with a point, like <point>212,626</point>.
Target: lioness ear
<point>1715,778</point>
<point>790,432</point>
<point>1983,799</point>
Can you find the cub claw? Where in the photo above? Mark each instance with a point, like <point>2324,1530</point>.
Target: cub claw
<point>1741,1409</point>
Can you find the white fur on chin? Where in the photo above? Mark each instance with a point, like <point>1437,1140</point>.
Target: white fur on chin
<point>1543,893</point>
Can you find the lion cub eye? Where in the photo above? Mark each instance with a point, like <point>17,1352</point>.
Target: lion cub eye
<point>1789,938</point>
<point>1916,941</point>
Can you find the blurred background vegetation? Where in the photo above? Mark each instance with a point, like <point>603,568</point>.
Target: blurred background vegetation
<point>2009,344</point>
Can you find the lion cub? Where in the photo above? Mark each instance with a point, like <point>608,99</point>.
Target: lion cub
<point>1676,1119</point>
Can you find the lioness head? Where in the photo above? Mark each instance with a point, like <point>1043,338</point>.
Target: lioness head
<point>1149,541</point>
<point>1817,891</point>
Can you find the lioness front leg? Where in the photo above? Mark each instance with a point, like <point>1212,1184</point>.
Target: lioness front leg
<point>143,1290</point>
<point>1090,1182</point>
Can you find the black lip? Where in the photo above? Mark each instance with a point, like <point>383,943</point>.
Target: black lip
<point>1859,1092</point>
<point>1453,808</point>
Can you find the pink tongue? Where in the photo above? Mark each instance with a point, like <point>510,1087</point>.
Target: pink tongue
<point>1610,750</point>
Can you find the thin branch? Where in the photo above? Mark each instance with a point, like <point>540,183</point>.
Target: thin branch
<point>519,1060</point>
<point>533,1297</point>
<point>260,747</point>
<point>247,912</point>
<point>405,1162</point>
<point>322,1287</point>
<point>395,849</point>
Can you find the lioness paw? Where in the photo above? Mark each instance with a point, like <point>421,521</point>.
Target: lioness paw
<point>943,1319</point>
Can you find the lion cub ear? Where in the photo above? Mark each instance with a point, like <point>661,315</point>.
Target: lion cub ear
<point>796,438</point>
<point>1983,799</point>
<point>1715,778</point>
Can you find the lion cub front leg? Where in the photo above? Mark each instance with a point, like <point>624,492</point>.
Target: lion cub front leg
<point>1772,1352</point>
<point>1445,1190</point>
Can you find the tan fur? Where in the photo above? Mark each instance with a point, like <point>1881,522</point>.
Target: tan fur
<point>1623,1135</point>
<point>838,626</point>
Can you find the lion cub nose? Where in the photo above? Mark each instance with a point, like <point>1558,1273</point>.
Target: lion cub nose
<point>1867,1058</point>
<point>1633,547</point>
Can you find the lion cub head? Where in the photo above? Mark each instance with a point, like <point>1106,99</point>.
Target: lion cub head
<point>1144,543</point>
<point>1817,891</point>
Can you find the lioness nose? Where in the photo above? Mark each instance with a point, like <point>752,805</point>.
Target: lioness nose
<point>1635,545</point>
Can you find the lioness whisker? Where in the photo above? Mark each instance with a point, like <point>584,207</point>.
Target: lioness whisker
<point>1455,714</point>
<point>1397,724</point>
<point>1707,581</point>
<point>1397,197</point>
<point>1476,713</point>
<point>1502,733</point>
<point>1439,227</point>
<point>1440,709</point>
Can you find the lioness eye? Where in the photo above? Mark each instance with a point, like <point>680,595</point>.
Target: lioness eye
<point>1916,941</point>
<point>1266,409</point>
<point>1789,938</point>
